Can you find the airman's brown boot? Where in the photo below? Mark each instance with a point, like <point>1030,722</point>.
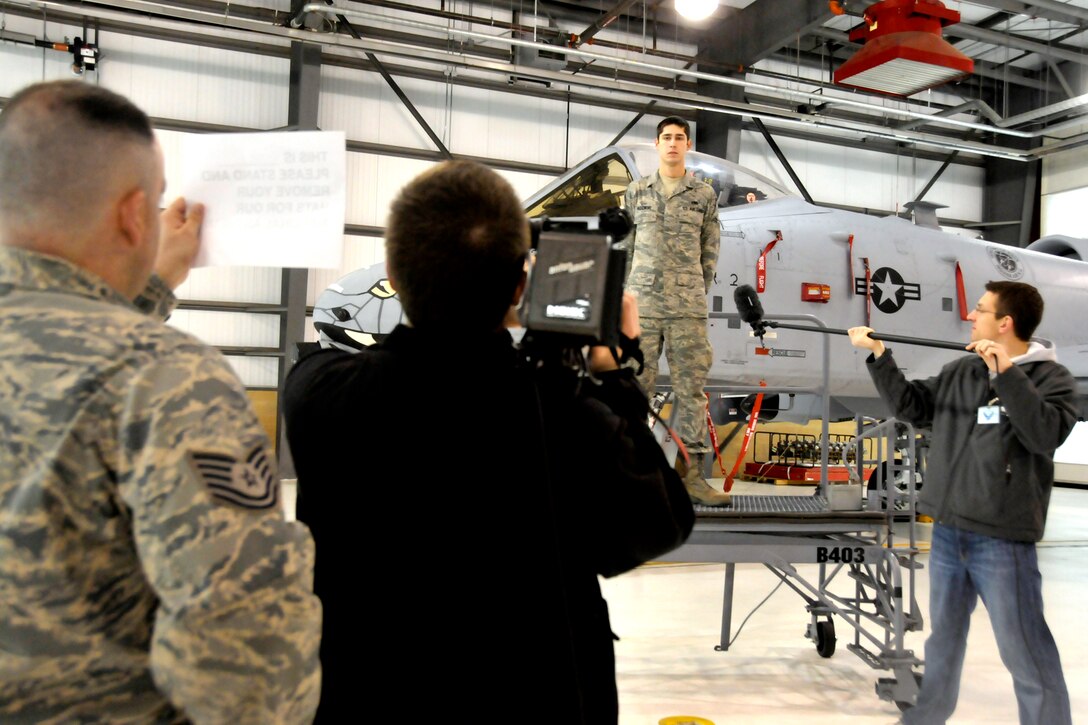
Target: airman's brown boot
<point>698,489</point>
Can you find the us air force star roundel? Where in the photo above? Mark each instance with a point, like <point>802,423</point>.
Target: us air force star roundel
<point>888,289</point>
<point>250,483</point>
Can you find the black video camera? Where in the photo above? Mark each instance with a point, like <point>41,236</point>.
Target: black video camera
<point>575,291</point>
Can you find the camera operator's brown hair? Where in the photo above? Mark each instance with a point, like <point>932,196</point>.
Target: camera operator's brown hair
<point>455,247</point>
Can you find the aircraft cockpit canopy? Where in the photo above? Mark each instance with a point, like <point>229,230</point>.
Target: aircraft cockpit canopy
<point>734,184</point>
<point>599,182</point>
<point>587,191</point>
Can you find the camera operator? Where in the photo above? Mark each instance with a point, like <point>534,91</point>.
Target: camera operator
<point>512,485</point>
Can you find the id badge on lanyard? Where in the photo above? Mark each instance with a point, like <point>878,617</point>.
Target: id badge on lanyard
<point>989,414</point>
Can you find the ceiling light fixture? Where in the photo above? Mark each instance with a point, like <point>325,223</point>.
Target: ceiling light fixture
<point>696,9</point>
<point>903,51</point>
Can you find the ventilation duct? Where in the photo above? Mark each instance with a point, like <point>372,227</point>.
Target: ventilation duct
<point>903,51</point>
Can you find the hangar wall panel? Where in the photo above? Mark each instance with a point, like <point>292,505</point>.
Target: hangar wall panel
<point>867,179</point>
<point>254,371</point>
<point>1065,194</point>
<point>351,101</point>
<point>373,181</point>
<point>500,125</point>
<point>196,83</point>
<point>233,329</point>
<point>169,80</point>
<point>232,284</point>
<point>1063,213</point>
<point>363,105</point>
<point>25,64</point>
<point>359,252</point>
<point>469,121</point>
<point>1065,171</point>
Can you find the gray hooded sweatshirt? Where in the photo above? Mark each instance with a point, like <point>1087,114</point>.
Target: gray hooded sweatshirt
<point>988,471</point>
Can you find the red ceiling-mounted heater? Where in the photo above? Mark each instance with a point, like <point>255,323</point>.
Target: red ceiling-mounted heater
<point>903,50</point>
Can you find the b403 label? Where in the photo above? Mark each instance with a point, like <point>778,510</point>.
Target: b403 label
<point>840,554</point>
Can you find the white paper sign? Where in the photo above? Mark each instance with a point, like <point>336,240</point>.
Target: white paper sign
<point>271,199</point>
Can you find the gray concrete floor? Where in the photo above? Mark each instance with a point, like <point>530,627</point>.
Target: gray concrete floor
<point>668,618</point>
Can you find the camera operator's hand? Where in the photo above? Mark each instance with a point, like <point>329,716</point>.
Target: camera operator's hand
<point>601,358</point>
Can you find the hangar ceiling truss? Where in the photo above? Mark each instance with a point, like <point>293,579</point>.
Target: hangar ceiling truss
<point>769,61</point>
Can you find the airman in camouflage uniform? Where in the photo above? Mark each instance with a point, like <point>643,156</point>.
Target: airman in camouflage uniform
<point>673,255</point>
<point>147,574</point>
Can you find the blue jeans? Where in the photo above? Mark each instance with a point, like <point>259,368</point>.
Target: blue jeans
<point>964,566</point>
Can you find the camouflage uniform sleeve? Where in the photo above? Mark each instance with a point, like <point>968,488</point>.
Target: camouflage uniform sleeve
<point>630,199</point>
<point>237,629</point>
<point>711,240</point>
<point>157,300</point>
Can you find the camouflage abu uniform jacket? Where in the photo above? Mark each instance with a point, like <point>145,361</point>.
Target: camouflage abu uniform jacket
<point>147,573</point>
<point>673,248</point>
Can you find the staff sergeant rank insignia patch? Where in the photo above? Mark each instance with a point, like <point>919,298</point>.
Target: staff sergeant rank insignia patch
<point>249,483</point>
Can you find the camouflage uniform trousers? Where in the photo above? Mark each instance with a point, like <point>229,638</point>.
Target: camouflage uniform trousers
<point>689,354</point>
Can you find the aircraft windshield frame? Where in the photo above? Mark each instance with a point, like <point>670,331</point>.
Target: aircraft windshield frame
<point>734,183</point>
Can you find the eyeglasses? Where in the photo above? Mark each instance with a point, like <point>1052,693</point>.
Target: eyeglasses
<point>988,312</point>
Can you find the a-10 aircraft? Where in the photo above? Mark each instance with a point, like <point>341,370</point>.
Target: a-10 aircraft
<point>841,268</point>
<point>844,268</point>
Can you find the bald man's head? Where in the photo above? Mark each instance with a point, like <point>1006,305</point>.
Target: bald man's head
<point>68,149</point>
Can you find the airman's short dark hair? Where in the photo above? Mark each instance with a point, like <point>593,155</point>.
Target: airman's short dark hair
<point>674,121</point>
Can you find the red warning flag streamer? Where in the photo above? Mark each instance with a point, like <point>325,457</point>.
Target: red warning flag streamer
<point>714,437</point>
<point>850,262</point>
<point>752,420</point>
<point>761,264</point>
<point>868,293</point>
<point>961,293</point>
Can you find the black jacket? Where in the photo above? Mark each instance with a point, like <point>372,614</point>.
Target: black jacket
<point>993,479</point>
<point>463,505</point>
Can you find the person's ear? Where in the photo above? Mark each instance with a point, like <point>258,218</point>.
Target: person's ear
<point>520,289</point>
<point>1006,325</point>
<point>132,217</point>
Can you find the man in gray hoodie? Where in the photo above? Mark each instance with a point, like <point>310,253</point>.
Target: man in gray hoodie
<point>996,418</point>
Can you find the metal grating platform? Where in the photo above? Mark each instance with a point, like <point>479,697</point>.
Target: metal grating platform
<point>781,507</point>
<point>779,504</point>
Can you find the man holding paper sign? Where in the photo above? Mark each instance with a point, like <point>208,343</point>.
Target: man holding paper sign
<point>147,573</point>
